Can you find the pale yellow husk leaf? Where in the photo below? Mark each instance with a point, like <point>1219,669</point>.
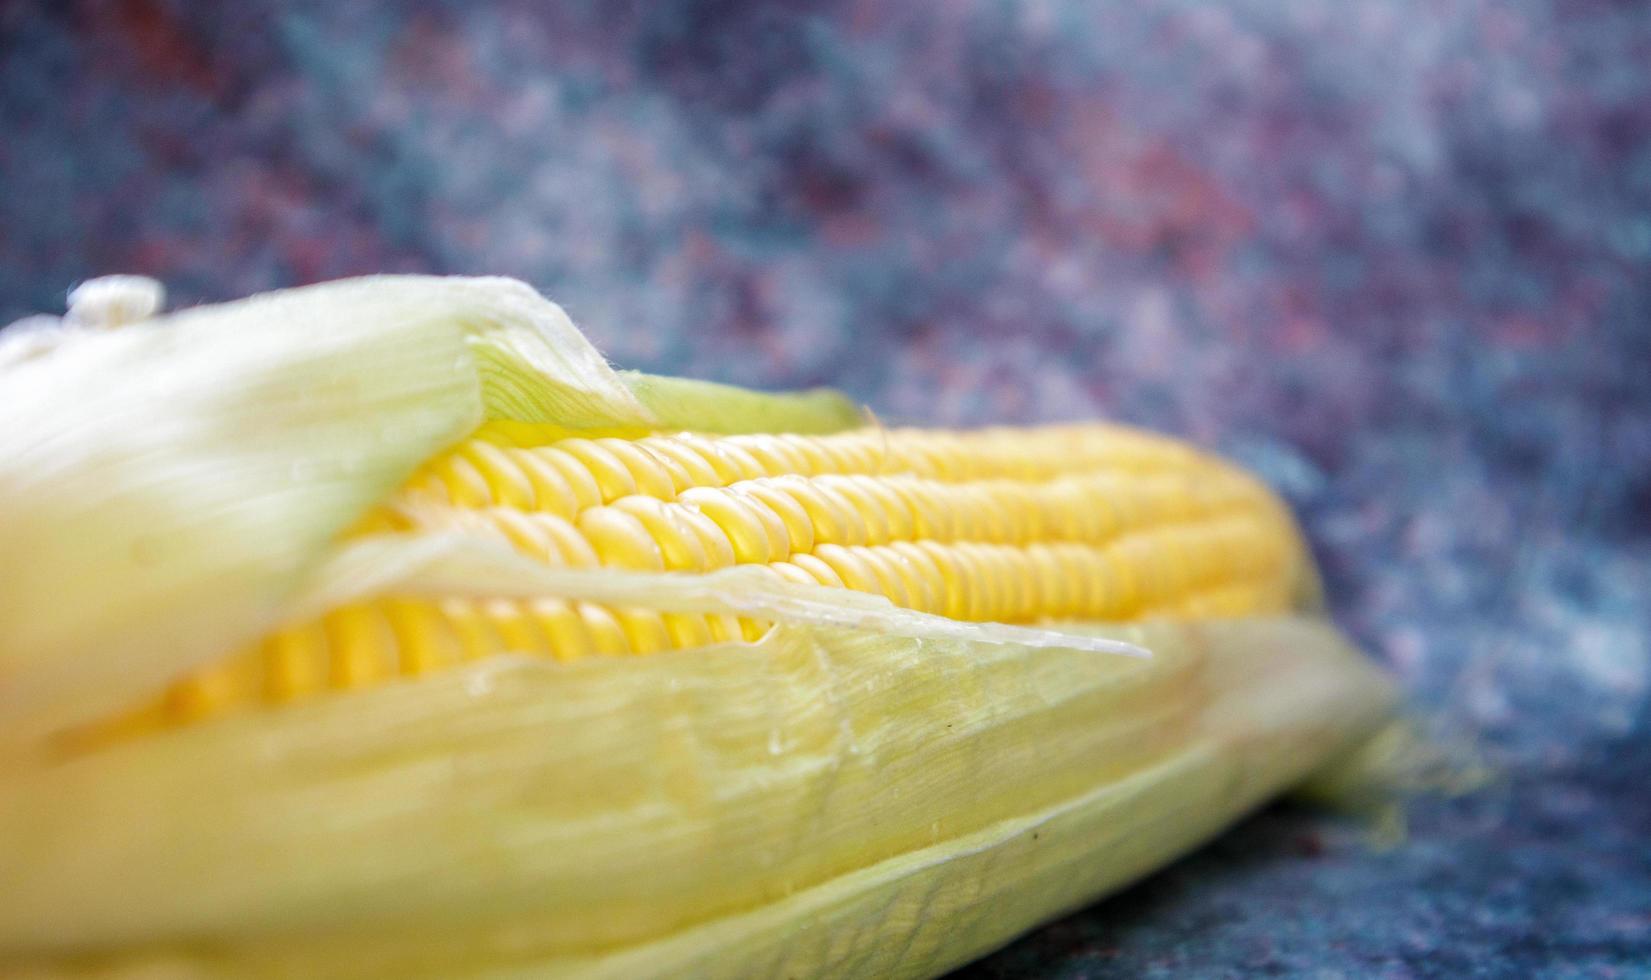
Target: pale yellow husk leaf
<point>827,802</point>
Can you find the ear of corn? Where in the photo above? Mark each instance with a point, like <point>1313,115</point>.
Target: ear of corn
<point>392,633</point>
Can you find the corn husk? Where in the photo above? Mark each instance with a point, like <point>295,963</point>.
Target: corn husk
<point>866,791</point>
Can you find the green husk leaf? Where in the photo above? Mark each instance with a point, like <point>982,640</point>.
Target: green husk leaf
<point>683,403</point>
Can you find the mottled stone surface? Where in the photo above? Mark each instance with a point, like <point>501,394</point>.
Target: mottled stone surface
<point>1396,255</point>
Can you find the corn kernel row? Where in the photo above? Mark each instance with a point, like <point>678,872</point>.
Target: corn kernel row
<point>1071,522</point>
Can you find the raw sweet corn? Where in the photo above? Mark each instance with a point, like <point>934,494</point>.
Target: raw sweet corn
<point>381,628</point>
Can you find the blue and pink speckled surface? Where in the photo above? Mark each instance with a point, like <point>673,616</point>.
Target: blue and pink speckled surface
<point>1396,255</point>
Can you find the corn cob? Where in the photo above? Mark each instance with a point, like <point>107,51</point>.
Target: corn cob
<point>396,634</point>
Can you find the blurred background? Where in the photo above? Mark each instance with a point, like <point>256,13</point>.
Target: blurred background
<point>1396,255</point>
